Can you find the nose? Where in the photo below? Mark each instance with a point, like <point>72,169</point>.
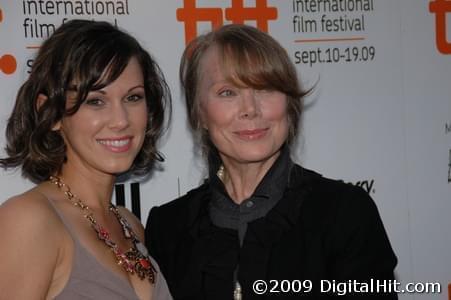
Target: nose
<point>250,105</point>
<point>119,118</point>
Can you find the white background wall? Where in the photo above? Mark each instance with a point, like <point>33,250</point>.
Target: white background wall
<point>380,119</point>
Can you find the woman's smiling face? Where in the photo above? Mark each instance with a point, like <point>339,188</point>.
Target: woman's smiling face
<point>107,131</point>
<point>246,125</point>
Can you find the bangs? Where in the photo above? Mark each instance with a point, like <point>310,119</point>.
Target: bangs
<point>97,70</point>
<point>105,75</point>
<point>246,64</point>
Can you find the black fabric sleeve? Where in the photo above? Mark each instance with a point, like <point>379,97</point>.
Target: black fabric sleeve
<point>152,235</point>
<point>362,250</point>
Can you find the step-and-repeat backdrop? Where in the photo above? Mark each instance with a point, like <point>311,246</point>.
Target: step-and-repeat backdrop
<point>380,116</point>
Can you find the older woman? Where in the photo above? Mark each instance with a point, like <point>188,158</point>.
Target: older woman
<point>259,216</point>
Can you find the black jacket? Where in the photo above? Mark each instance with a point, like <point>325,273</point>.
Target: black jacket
<point>320,230</point>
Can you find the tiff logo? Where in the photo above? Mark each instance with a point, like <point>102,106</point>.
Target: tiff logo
<point>440,8</point>
<point>135,197</point>
<point>367,185</point>
<point>237,13</point>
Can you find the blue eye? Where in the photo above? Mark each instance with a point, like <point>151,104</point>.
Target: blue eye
<point>226,93</point>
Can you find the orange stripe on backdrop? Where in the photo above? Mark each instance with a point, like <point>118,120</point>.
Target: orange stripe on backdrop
<point>261,13</point>
<point>190,15</point>
<point>449,291</point>
<point>330,40</point>
<point>1,15</point>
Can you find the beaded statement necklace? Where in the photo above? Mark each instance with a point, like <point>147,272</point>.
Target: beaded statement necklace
<point>135,260</point>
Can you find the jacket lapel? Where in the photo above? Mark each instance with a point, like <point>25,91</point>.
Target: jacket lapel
<point>268,234</point>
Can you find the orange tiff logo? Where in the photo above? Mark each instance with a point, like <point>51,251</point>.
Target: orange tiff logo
<point>440,8</point>
<point>8,64</point>
<point>237,13</point>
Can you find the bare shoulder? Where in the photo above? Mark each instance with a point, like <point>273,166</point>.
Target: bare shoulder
<point>30,210</point>
<point>133,221</point>
<point>29,217</point>
<point>30,234</point>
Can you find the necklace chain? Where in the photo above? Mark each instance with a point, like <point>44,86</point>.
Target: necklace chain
<point>135,260</point>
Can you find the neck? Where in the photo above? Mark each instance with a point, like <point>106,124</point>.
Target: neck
<point>95,189</point>
<point>241,179</point>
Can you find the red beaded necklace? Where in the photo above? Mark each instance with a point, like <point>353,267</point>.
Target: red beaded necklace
<point>135,260</point>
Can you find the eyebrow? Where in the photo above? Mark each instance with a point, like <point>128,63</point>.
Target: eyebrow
<point>213,83</point>
<point>74,89</point>
<point>136,87</point>
<point>139,86</point>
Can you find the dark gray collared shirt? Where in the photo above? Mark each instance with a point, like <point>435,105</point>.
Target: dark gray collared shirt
<point>225,213</point>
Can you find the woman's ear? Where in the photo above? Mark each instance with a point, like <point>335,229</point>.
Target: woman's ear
<point>40,100</point>
<point>57,126</point>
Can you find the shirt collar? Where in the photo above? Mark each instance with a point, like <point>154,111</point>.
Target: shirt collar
<point>226,213</point>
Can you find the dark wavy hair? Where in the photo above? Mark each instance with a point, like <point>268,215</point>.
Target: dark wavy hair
<point>82,55</point>
<point>249,57</point>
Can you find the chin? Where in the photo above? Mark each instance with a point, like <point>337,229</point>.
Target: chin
<point>249,156</point>
<point>117,168</point>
